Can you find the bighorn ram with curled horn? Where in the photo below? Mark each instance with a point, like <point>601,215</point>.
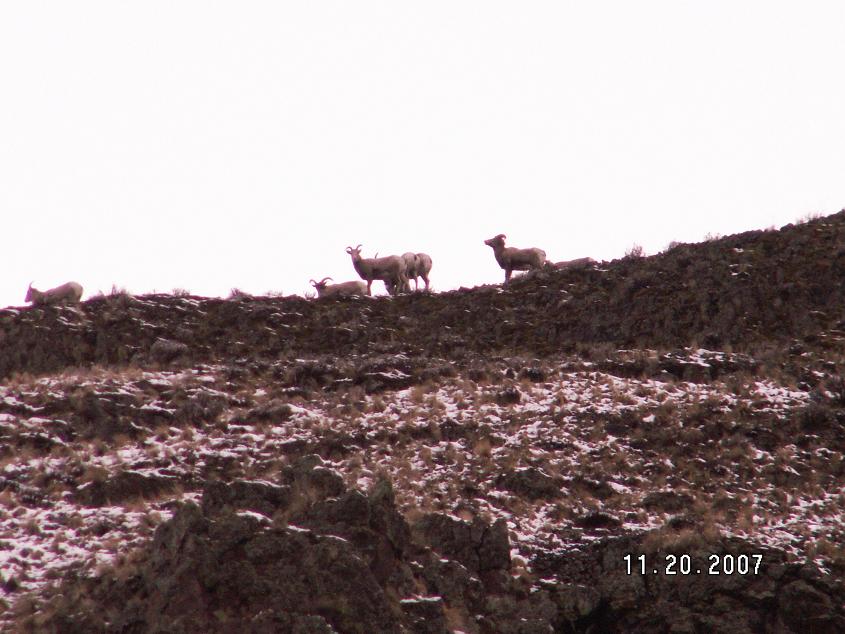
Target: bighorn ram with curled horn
<point>512,259</point>
<point>342,289</point>
<point>389,269</point>
<point>69,293</point>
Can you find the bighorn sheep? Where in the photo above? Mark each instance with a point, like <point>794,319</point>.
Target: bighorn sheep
<point>342,289</point>
<point>578,263</point>
<point>69,293</point>
<point>512,259</point>
<point>389,269</point>
<point>416,265</point>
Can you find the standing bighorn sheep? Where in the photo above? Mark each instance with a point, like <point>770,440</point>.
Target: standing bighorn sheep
<point>69,293</point>
<point>511,259</point>
<point>416,265</point>
<point>389,269</point>
<point>342,289</point>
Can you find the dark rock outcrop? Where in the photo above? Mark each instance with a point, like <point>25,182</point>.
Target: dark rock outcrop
<point>122,487</point>
<point>532,483</point>
<point>166,350</point>
<point>304,556</point>
<point>261,557</point>
<point>482,548</point>
<point>596,592</point>
<point>250,495</point>
<point>226,566</point>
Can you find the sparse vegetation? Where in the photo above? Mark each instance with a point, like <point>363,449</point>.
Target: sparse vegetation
<point>237,293</point>
<point>808,217</point>
<point>636,251</point>
<point>574,428</point>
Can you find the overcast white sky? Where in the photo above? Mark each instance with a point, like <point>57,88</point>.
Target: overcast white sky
<point>211,145</point>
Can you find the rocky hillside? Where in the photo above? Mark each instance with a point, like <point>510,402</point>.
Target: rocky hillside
<point>650,444</point>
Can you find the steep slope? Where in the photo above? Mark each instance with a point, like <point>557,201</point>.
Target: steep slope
<point>760,286</point>
<point>481,460</point>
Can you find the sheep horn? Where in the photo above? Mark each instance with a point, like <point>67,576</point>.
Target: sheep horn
<point>312,282</point>
<point>324,279</point>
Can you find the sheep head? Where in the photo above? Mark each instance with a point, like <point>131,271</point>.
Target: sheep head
<point>321,284</point>
<point>496,242</point>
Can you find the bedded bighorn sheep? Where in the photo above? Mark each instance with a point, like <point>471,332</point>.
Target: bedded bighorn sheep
<point>342,289</point>
<point>69,293</point>
<point>577,263</point>
<point>512,259</point>
<point>390,269</point>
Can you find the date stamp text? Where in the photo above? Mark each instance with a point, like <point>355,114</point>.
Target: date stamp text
<point>673,564</point>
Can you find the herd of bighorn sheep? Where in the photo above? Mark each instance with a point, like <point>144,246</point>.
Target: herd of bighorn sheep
<point>396,271</point>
